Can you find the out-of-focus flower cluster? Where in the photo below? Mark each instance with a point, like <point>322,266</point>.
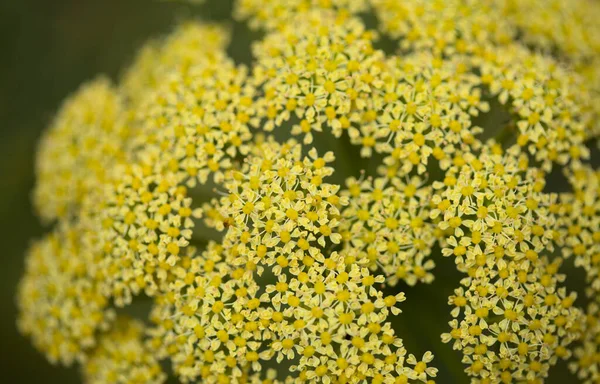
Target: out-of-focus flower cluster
<point>209,188</point>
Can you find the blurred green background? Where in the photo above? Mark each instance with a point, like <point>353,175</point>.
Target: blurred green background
<point>47,49</point>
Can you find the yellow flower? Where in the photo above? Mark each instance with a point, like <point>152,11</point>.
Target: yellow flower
<point>122,357</point>
<point>61,306</point>
<point>455,130</point>
<point>87,139</point>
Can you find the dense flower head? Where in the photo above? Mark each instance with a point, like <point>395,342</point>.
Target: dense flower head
<point>278,205</point>
<point>60,303</point>
<point>494,208</point>
<point>387,224</point>
<point>585,357</point>
<point>280,220</point>
<point>315,69</point>
<point>277,13</point>
<point>122,357</point>
<point>579,224</point>
<point>512,323</point>
<point>140,232</point>
<point>274,215</point>
<point>86,139</point>
<point>190,45</point>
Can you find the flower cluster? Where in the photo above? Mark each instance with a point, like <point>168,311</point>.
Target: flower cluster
<point>122,357</point>
<point>61,305</point>
<point>87,138</point>
<point>274,215</point>
<point>502,232</point>
<point>388,225</point>
<point>282,224</point>
<point>579,224</point>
